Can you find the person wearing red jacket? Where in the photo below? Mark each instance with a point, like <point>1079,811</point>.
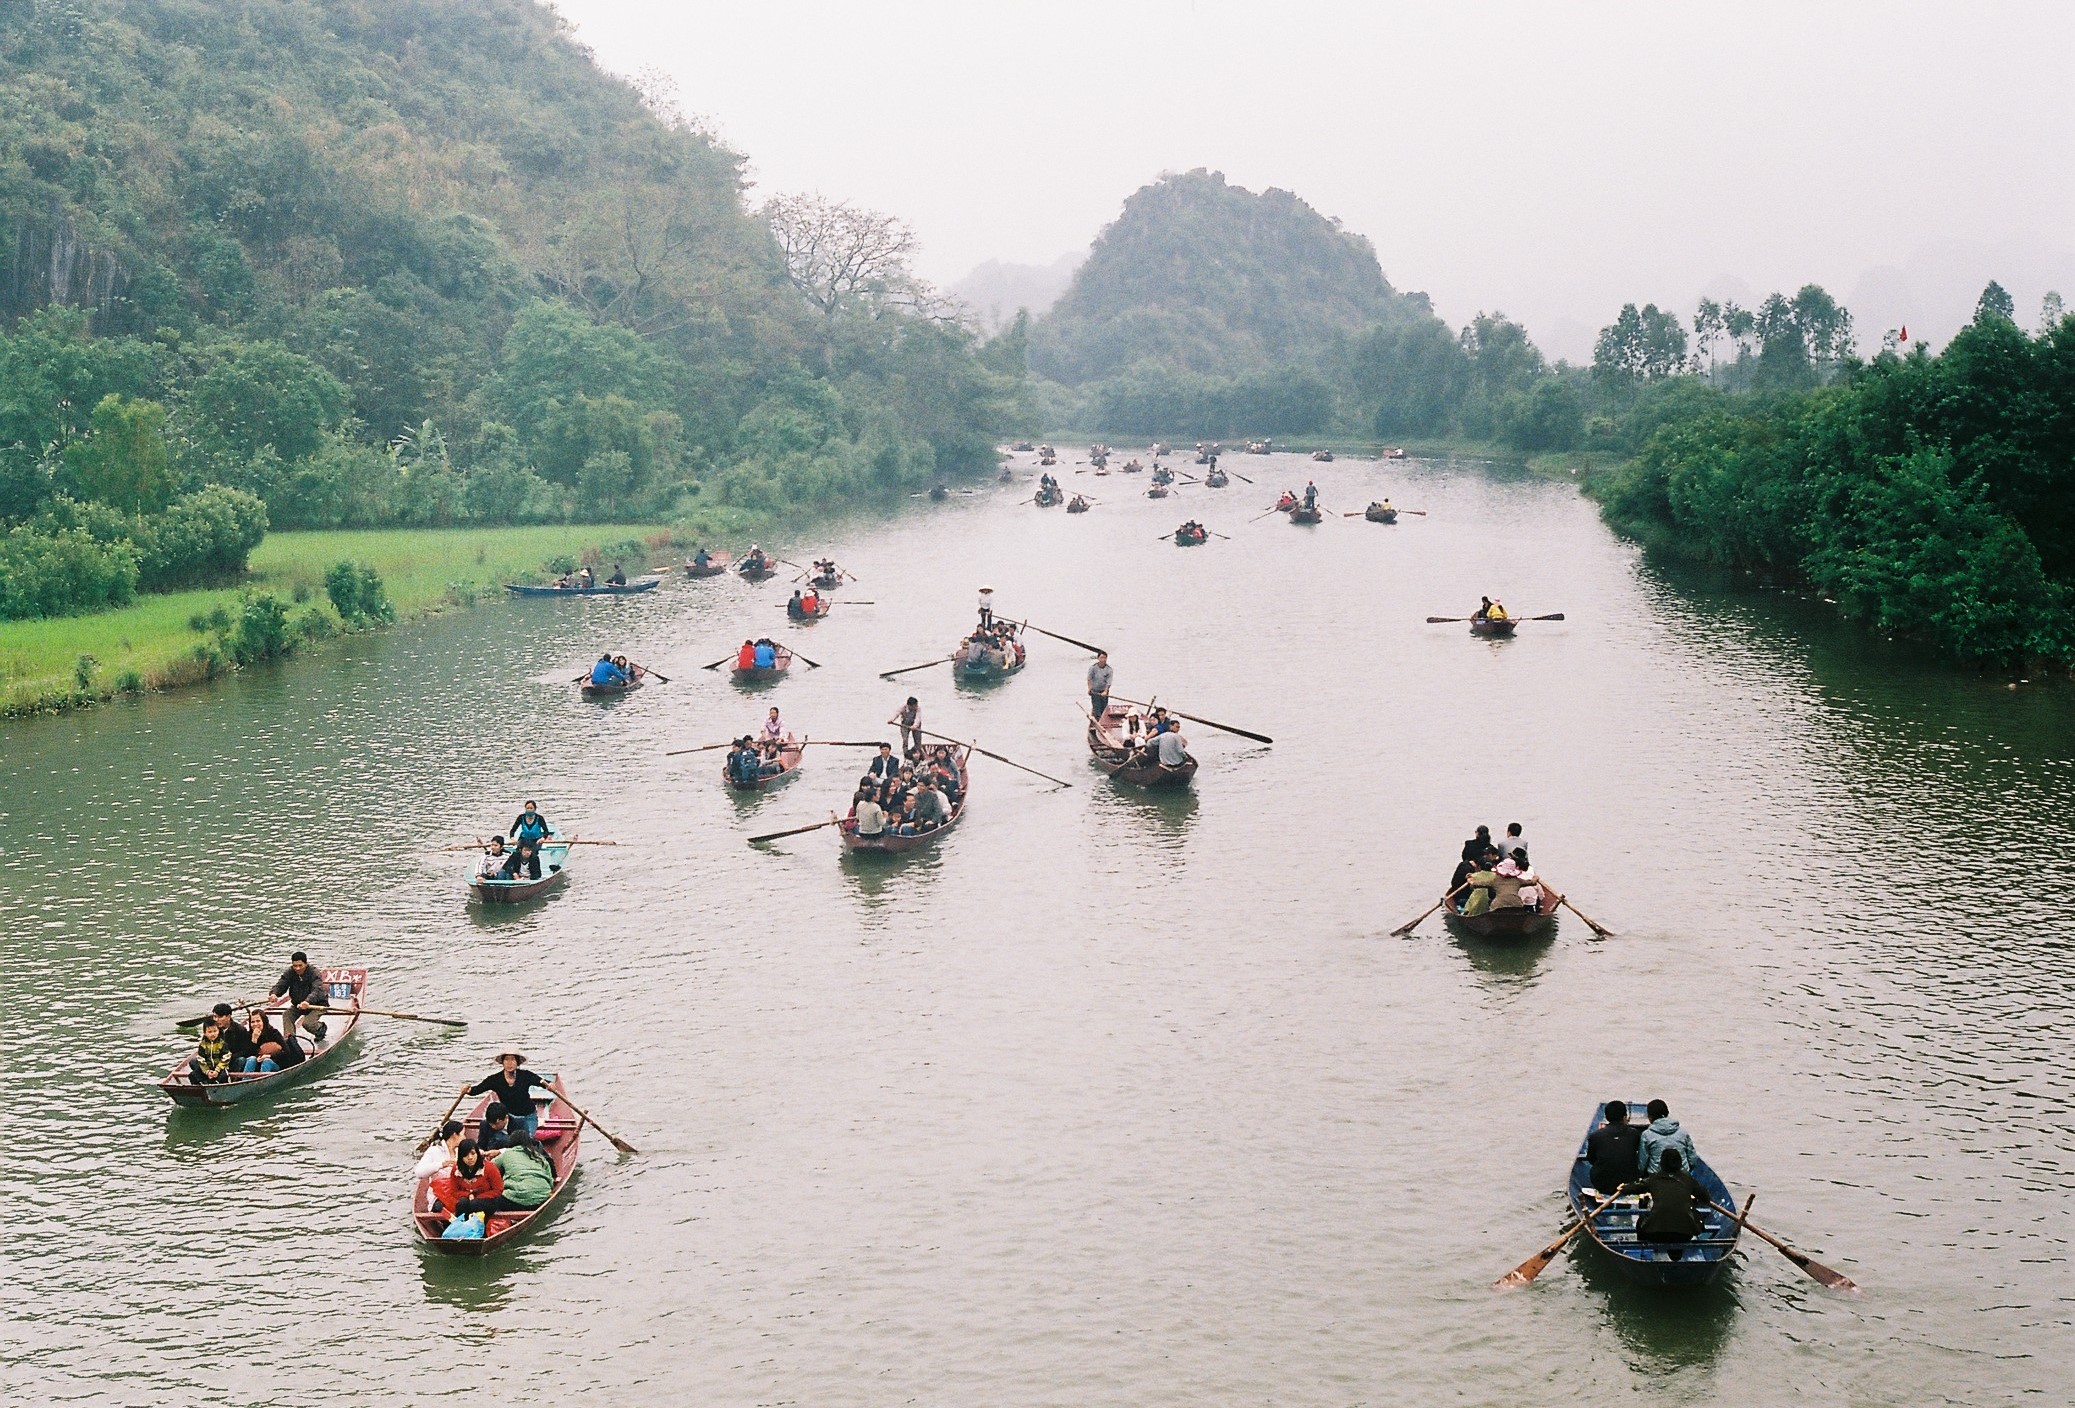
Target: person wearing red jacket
<point>746,659</point>
<point>471,1184</point>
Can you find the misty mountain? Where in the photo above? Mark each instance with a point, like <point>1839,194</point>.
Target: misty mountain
<point>995,292</point>
<point>1208,278</point>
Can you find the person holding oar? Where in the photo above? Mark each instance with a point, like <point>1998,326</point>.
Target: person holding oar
<point>512,1084</point>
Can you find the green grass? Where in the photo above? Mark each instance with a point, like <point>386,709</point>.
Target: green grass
<point>150,644</point>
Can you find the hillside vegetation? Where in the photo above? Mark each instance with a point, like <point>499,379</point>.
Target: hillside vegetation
<point>412,262</point>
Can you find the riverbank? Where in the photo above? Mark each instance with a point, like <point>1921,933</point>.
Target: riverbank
<point>68,661</point>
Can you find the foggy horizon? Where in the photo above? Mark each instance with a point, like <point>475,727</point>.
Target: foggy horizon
<point>1553,166</point>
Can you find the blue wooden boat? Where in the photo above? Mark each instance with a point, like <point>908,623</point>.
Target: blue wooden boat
<point>554,869</point>
<point>1613,1228</point>
<point>638,584</point>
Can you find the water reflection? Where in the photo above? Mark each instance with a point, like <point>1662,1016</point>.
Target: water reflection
<point>1163,816</point>
<point>1663,1328</point>
<point>1515,959</point>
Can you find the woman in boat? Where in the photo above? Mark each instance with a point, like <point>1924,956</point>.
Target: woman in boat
<point>774,727</point>
<point>1483,883</point>
<point>512,1084</point>
<point>471,1185</point>
<point>529,1175</point>
<point>607,673</point>
<point>746,658</point>
<point>271,1051</point>
<point>867,813</point>
<point>440,1152</point>
<point>529,825</point>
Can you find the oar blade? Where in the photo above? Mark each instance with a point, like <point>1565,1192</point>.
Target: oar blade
<point>1525,1273</point>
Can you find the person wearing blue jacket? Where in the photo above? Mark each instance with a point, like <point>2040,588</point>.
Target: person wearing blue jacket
<point>607,673</point>
<point>1663,1133</point>
<point>766,654</point>
<point>529,825</point>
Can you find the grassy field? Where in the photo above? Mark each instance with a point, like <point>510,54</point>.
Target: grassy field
<point>151,643</point>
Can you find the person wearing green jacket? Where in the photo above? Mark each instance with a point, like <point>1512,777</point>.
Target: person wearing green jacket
<point>211,1063</point>
<point>529,1174</point>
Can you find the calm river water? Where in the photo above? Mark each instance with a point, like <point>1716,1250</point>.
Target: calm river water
<point>1111,1099</point>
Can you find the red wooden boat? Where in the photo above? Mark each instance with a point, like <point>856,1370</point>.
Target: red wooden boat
<point>757,569</point>
<point>559,1131</point>
<point>893,843</point>
<point>1106,743</point>
<point>347,988</point>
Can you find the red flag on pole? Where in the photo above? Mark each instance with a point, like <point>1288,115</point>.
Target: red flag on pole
<point>1905,332</point>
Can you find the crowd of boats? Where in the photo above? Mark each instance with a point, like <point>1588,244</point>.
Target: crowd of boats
<point>1640,1194</point>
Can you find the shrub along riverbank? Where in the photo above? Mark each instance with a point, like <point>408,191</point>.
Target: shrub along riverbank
<point>181,638</point>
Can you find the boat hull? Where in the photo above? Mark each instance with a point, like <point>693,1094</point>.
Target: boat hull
<point>560,1131</point>
<point>554,870</point>
<point>789,768</point>
<point>1672,1264</point>
<point>633,588</point>
<point>345,986</point>
<point>1107,750</point>
<point>1381,515</point>
<point>1517,923</point>
<point>607,691</point>
<point>1300,514</point>
<point>1493,630</point>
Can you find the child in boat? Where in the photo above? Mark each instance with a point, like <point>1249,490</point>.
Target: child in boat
<point>211,1063</point>
<point>492,864</point>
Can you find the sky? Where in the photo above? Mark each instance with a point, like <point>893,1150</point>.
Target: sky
<point>1548,160</point>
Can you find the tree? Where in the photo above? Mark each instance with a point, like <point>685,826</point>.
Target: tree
<point>1708,329</point>
<point>1413,374</point>
<point>2051,311</point>
<point>1646,344</point>
<point>123,462</point>
<point>1995,302</point>
<point>843,258</point>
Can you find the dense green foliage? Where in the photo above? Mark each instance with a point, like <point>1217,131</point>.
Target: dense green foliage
<point>412,262</point>
<point>1929,496</point>
<point>1207,307</point>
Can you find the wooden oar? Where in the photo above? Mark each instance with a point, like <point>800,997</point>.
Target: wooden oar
<point>618,1143</point>
<point>573,841</point>
<point>1525,1273</point>
<point>1593,924</point>
<point>426,1142</point>
<point>1091,649</point>
<point>1240,477</point>
<point>702,748</point>
<point>1835,1280</point>
<point>889,674</point>
<point>1403,929</point>
<point>649,670</point>
<point>840,743</point>
<point>811,664</point>
<point>796,831</point>
<point>720,662</point>
<point>1207,723</point>
<point>1443,620</point>
<point>1259,516</point>
<point>402,1016</point>
<point>996,756</point>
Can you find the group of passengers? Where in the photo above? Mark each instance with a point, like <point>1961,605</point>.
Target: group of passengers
<point>804,605</point>
<point>1495,874</point>
<point>615,670</point>
<point>907,796</point>
<point>583,579</point>
<point>1154,737</point>
<point>993,641</point>
<point>228,1047</point>
<point>755,757</point>
<point>758,654</point>
<point>528,832</point>
<point>1657,1158</point>
<point>503,1167</point>
<point>1489,610</point>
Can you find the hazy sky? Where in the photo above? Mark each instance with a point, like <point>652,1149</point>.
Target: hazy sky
<point>1553,160</point>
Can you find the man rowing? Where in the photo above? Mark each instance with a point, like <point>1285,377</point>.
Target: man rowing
<point>513,1086</point>
<point>618,577</point>
<point>1310,495</point>
<point>308,999</point>
<point>909,720</point>
<point>607,674</point>
<point>702,559</point>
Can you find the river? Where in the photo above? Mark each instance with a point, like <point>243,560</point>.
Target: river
<point>1109,1099</point>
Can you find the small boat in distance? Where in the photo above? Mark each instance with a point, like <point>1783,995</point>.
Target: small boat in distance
<point>1301,514</point>
<point>715,564</point>
<point>559,1132</point>
<point>628,588</point>
<point>1499,629</point>
<point>788,768</point>
<point>1077,504</point>
<point>1613,1228</point>
<point>346,987</point>
<point>781,661</point>
<point>1191,535</point>
<point>1322,456</point>
<point>1377,513</point>
<point>993,662</point>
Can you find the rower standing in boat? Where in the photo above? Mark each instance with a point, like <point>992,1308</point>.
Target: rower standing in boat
<point>512,1085</point>
<point>1100,677</point>
<point>529,825</point>
<point>307,996</point>
<point>1310,495</point>
<point>986,607</point>
<point>774,727</point>
<point>909,720</point>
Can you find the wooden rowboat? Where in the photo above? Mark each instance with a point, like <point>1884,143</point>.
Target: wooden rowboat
<point>891,843</point>
<point>761,674</point>
<point>1049,498</point>
<point>1077,505</point>
<point>1613,1229</point>
<point>1496,630</point>
<point>559,1131</point>
<point>822,607</point>
<point>1183,538</point>
<point>788,768</point>
<point>554,869</point>
<point>716,563</point>
<point>989,669</point>
<point>347,989</point>
<point>1107,746</point>
<point>938,493</point>
<point>1377,513</point>
<point>1518,922</point>
<point>1301,514</point>
<point>610,691</point>
<point>1158,491</point>
<point>1216,479</point>
<point>1322,456</point>
<point>757,570</point>
<point>638,584</point>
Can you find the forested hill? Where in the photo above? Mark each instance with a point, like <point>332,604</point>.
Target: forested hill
<point>1203,277</point>
<point>422,261</point>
